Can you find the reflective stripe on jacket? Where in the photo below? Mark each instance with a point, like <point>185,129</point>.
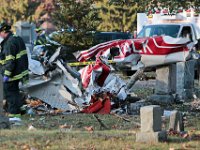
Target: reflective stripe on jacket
<point>14,60</point>
<point>41,40</point>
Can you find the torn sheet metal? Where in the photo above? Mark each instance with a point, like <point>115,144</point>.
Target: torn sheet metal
<point>101,87</point>
<point>99,103</point>
<point>34,66</point>
<point>150,51</point>
<point>98,78</point>
<point>51,91</point>
<point>61,89</point>
<point>52,82</point>
<point>71,83</point>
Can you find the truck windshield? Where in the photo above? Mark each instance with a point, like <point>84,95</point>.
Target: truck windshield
<point>156,30</point>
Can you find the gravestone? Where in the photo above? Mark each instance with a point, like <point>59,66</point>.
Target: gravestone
<point>26,31</point>
<point>163,87</point>
<point>163,80</point>
<point>151,125</point>
<point>4,121</point>
<point>176,121</point>
<point>174,82</point>
<point>185,80</point>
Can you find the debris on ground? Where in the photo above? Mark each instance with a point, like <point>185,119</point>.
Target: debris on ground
<point>89,129</point>
<point>65,128</point>
<point>95,88</point>
<point>195,105</point>
<point>15,121</point>
<point>31,128</point>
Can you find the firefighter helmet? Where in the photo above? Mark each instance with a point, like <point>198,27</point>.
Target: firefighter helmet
<point>4,27</point>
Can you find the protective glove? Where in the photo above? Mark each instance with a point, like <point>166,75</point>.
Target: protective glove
<point>5,79</point>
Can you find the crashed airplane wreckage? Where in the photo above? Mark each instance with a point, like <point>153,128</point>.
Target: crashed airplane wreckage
<point>94,87</point>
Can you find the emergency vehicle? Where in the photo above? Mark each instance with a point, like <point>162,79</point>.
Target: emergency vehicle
<point>185,24</point>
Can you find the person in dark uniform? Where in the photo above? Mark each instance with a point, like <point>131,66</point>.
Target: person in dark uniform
<point>14,68</point>
<point>41,37</point>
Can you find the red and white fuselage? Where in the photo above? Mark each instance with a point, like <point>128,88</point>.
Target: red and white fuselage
<point>151,51</point>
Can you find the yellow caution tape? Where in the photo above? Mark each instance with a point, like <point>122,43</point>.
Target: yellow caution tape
<point>73,64</point>
<point>150,16</point>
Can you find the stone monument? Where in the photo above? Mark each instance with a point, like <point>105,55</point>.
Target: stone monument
<point>151,131</point>
<point>176,121</point>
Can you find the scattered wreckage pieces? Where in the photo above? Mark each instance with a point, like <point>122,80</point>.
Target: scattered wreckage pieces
<point>34,103</point>
<point>36,106</point>
<point>69,81</point>
<point>98,78</point>
<point>101,87</point>
<point>61,89</point>
<point>99,103</point>
<point>60,85</point>
<point>195,105</point>
<point>52,92</point>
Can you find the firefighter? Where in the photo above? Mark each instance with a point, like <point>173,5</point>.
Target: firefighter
<point>41,37</point>
<point>14,68</point>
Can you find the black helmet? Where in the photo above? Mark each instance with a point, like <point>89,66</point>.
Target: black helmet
<point>4,27</point>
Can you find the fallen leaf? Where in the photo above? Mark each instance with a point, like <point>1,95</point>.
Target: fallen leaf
<point>72,147</point>
<point>58,111</point>
<point>132,132</point>
<point>34,103</point>
<point>25,147</point>
<point>89,129</point>
<point>48,142</point>
<point>188,146</point>
<point>65,127</point>
<point>114,127</point>
<point>31,128</point>
<point>186,135</point>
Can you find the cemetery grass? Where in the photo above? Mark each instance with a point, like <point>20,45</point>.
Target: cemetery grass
<point>84,132</point>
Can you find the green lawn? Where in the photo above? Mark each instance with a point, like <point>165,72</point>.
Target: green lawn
<point>119,134</point>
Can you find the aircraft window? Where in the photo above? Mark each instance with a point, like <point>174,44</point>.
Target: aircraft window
<point>186,33</point>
